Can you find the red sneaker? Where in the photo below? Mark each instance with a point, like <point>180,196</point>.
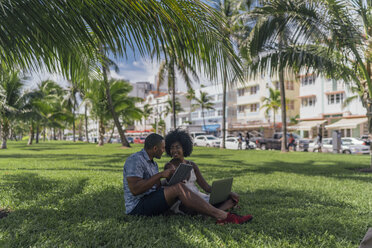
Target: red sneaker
<point>235,219</point>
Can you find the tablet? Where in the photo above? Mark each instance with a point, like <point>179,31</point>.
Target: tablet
<point>180,174</point>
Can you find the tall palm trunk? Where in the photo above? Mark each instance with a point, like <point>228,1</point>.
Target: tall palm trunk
<point>4,132</point>
<point>282,96</point>
<point>44,132</point>
<point>205,128</point>
<point>101,133</point>
<point>284,111</point>
<point>112,134</point>
<point>123,139</point>
<point>54,134</point>
<point>174,106</point>
<point>274,120</point>
<point>86,123</point>
<point>224,110</point>
<point>31,134</point>
<point>37,133</point>
<point>80,131</point>
<point>73,126</point>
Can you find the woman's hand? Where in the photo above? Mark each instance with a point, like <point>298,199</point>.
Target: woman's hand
<point>234,196</point>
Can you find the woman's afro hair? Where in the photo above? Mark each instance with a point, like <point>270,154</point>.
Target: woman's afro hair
<point>182,137</point>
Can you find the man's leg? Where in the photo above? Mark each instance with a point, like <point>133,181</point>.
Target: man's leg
<point>192,201</point>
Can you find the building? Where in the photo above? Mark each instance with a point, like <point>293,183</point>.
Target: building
<point>323,109</point>
<point>214,117</point>
<point>249,100</point>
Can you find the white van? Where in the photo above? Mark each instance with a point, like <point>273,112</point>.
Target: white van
<point>194,134</point>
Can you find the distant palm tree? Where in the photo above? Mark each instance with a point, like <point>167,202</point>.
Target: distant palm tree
<point>147,111</point>
<point>13,102</point>
<point>272,103</point>
<point>168,69</point>
<point>190,96</point>
<point>169,107</point>
<point>205,103</point>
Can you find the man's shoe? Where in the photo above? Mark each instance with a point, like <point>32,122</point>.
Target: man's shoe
<point>235,219</point>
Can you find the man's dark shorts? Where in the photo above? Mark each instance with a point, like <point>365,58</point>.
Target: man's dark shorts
<point>151,204</point>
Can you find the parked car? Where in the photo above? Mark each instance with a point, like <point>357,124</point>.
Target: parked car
<point>276,143</point>
<point>139,140</point>
<point>366,139</point>
<point>233,143</point>
<point>348,146</point>
<point>130,139</point>
<point>194,134</point>
<point>207,140</point>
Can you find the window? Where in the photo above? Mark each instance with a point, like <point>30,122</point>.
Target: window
<point>291,105</point>
<point>289,85</point>
<point>335,98</point>
<point>241,108</point>
<point>254,107</point>
<point>241,92</point>
<point>220,112</point>
<point>220,97</point>
<point>310,101</point>
<point>194,114</point>
<point>308,80</point>
<point>184,119</point>
<point>254,89</point>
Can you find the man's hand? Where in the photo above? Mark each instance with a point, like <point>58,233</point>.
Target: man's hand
<point>168,173</point>
<point>234,196</point>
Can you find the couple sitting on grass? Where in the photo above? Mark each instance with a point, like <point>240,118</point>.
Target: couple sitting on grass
<point>146,194</point>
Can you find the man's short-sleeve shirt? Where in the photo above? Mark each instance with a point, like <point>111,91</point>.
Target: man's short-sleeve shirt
<point>137,165</point>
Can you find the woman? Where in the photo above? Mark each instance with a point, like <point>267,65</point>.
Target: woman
<point>178,145</point>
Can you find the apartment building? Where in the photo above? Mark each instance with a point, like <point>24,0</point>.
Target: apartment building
<point>323,108</point>
<point>250,113</point>
<point>214,117</point>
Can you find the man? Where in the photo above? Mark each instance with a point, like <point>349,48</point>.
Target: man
<point>144,194</point>
<point>240,140</point>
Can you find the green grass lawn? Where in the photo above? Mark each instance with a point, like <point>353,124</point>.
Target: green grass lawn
<point>70,195</point>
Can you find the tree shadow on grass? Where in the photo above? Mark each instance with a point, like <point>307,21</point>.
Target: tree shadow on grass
<point>69,213</point>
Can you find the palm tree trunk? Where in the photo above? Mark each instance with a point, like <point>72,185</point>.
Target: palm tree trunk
<point>44,133</point>
<point>80,130</point>
<point>274,120</point>
<point>205,128</point>
<point>224,110</point>
<point>123,139</point>
<point>86,123</point>
<point>37,133</point>
<point>73,126</point>
<point>112,134</point>
<point>54,134</point>
<point>174,105</point>
<point>31,135</point>
<point>4,133</point>
<point>284,111</point>
<point>101,131</point>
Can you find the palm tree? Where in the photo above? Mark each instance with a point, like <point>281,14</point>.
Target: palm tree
<point>95,94</point>
<point>189,28</point>
<point>205,103</point>
<point>169,107</point>
<point>168,69</point>
<point>190,96</point>
<point>13,102</point>
<point>70,101</point>
<point>229,10</point>
<point>147,111</point>
<point>272,103</point>
<point>328,37</point>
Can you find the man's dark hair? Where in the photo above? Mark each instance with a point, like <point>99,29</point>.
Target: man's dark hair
<point>153,140</point>
<point>182,137</point>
